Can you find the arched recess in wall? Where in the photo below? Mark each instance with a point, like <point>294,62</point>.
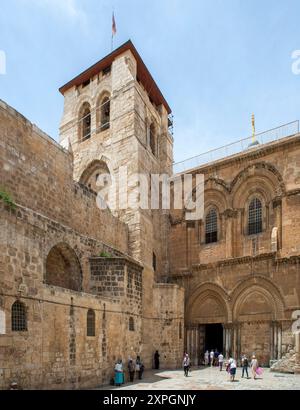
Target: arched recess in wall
<point>63,268</point>
<point>257,297</point>
<point>208,304</point>
<point>97,177</point>
<point>260,178</point>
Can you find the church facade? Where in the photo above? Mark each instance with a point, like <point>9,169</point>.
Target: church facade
<point>82,286</point>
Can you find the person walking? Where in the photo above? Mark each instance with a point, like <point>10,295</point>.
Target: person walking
<point>216,355</point>
<point>245,365</point>
<point>211,356</point>
<point>186,364</point>
<point>156,360</point>
<point>206,358</point>
<point>119,373</point>
<point>139,367</point>
<point>254,366</point>
<point>232,368</point>
<point>220,361</point>
<point>131,369</point>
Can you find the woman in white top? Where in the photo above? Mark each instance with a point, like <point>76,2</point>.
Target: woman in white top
<point>232,368</point>
<point>254,366</point>
<point>119,374</point>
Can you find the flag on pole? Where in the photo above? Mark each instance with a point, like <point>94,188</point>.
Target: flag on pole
<point>114,26</point>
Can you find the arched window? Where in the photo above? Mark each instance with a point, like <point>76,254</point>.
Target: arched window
<point>153,139</point>
<point>131,324</point>
<point>85,122</point>
<point>255,217</point>
<point>105,114</point>
<point>90,323</point>
<point>211,227</point>
<point>18,317</point>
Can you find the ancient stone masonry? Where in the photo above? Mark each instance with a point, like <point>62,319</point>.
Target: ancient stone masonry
<point>81,287</point>
<point>242,288</point>
<point>77,284</point>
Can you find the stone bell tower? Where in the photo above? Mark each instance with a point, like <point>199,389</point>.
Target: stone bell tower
<point>116,116</point>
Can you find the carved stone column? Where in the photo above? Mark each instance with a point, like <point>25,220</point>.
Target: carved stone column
<point>275,338</point>
<point>236,340</point>
<point>279,341</point>
<point>228,339</point>
<point>272,345</point>
<point>277,206</point>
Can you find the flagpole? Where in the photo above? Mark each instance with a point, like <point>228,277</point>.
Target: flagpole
<point>113,30</point>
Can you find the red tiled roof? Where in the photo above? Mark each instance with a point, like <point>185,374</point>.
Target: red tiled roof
<point>143,74</point>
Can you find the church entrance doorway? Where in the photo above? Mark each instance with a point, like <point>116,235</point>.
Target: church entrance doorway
<point>214,337</point>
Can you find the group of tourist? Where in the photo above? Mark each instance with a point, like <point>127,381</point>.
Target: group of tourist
<point>134,367</point>
<point>214,358</point>
<point>255,369</point>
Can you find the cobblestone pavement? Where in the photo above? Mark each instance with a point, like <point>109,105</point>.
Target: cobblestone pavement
<point>213,379</point>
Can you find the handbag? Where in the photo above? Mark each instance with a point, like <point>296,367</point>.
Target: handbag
<point>259,371</point>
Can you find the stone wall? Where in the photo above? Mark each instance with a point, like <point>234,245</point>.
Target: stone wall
<point>38,174</point>
<point>51,240</point>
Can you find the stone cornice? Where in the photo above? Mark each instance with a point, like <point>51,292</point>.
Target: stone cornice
<point>293,192</point>
<point>247,259</point>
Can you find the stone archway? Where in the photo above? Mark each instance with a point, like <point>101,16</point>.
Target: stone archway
<point>63,268</point>
<point>257,311</point>
<point>96,175</point>
<point>207,314</point>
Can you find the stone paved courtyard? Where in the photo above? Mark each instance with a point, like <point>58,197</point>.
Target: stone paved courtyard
<point>212,379</point>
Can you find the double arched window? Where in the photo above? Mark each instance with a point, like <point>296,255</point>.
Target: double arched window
<point>18,317</point>
<point>255,223</point>
<point>211,226</point>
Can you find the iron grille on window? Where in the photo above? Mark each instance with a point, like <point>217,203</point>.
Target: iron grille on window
<point>211,227</point>
<point>90,323</point>
<point>255,217</point>
<point>18,317</point>
<point>131,324</point>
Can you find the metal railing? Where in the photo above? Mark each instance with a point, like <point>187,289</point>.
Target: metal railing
<point>243,145</point>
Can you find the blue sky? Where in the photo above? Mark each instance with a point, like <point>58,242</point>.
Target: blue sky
<point>216,61</point>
